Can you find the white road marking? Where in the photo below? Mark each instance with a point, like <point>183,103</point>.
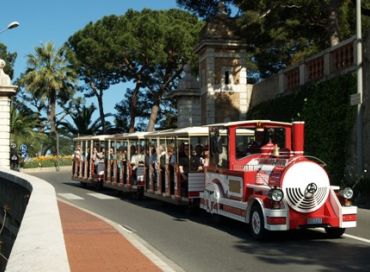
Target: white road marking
<point>357,238</point>
<point>350,236</point>
<point>70,196</point>
<point>101,196</point>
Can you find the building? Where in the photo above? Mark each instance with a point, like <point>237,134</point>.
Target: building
<point>221,93</point>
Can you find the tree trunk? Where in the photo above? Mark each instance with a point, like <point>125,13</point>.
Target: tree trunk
<point>52,120</point>
<point>101,110</point>
<point>99,97</point>
<point>153,115</point>
<point>168,78</point>
<point>133,109</point>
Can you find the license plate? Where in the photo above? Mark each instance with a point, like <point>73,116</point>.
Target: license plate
<point>314,221</point>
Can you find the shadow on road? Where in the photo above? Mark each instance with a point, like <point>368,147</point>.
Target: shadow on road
<point>284,249</point>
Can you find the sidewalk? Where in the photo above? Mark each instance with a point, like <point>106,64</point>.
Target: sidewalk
<point>94,245</point>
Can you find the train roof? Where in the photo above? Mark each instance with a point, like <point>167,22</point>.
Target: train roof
<point>181,132</point>
<point>250,122</point>
<point>132,135</point>
<point>92,137</point>
<point>157,133</point>
<point>135,135</point>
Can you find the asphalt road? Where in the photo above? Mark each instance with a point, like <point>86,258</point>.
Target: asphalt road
<point>197,242</point>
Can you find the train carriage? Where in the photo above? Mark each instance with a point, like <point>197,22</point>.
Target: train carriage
<point>86,167</point>
<point>175,174</point>
<point>125,170</point>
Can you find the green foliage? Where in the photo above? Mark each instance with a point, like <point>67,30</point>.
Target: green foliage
<point>49,79</point>
<point>9,59</point>
<point>328,116</point>
<point>283,32</point>
<point>23,125</point>
<point>148,48</point>
<point>81,119</point>
<point>362,192</point>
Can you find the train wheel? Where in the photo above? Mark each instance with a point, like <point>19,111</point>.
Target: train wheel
<point>139,195</point>
<point>99,185</point>
<point>335,232</point>
<point>257,224</point>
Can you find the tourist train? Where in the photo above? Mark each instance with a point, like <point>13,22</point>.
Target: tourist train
<point>251,171</point>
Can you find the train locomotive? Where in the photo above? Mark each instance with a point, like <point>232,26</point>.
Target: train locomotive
<point>251,171</point>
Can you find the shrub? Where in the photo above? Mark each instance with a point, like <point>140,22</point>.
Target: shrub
<point>47,161</point>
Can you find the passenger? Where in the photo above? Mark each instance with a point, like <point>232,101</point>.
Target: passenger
<point>255,145</point>
<point>14,158</point>
<point>137,160</point>
<point>206,158</point>
<point>112,159</point>
<point>76,160</point>
<point>119,164</point>
<point>87,160</point>
<point>94,159</point>
<point>162,167</point>
<point>184,169</point>
<point>100,162</point>
<point>171,157</point>
<point>197,159</point>
<point>112,154</point>
<point>153,164</point>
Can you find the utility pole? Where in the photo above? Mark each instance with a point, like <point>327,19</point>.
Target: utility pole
<point>359,142</point>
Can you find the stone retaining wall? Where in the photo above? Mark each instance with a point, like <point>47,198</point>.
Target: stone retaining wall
<point>39,243</point>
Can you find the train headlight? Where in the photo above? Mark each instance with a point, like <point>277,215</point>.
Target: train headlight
<point>276,195</point>
<point>347,193</point>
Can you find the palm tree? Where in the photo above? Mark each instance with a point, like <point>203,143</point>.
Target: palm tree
<point>82,123</point>
<point>24,128</point>
<point>49,78</point>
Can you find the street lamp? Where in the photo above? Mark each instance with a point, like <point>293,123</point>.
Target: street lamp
<point>10,26</point>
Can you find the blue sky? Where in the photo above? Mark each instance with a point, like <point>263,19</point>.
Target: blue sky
<point>42,21</point>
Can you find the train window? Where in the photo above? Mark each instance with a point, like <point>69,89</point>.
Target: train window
<point>244,141</point>
<point>219,156</point>
<point>279,137</point>
<point>250,140</point>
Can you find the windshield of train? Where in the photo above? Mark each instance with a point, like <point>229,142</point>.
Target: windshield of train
<point>250,140</point>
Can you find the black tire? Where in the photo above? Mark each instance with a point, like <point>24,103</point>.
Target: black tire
<point>83,184</point>
<point>99,185</point>
<point>139,195</point>
<point>257,224</point>
<point>335,232</point>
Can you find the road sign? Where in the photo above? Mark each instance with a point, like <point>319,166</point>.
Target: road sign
<point>23,150</point>
<point>355,99</point>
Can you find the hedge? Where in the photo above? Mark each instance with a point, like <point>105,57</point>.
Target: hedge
<point>328,116</point>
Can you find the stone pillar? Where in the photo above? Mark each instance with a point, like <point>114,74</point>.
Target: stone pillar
<point>6,92</point>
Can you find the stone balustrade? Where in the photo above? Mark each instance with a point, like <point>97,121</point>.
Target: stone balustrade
<point>336,60</point>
